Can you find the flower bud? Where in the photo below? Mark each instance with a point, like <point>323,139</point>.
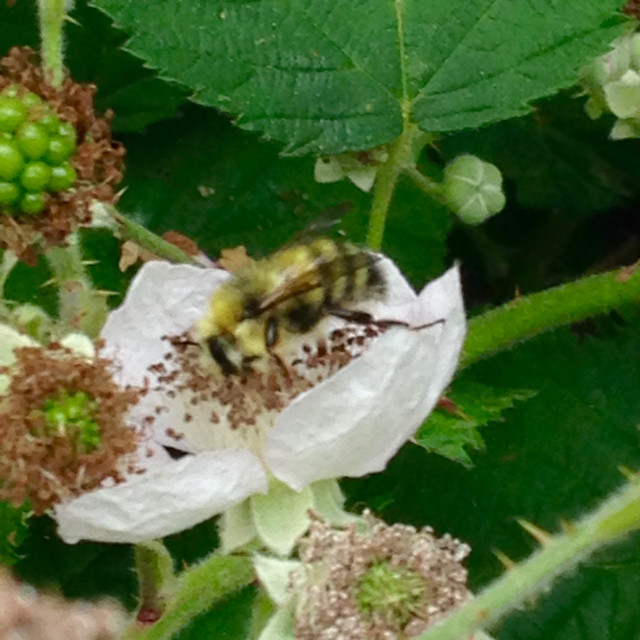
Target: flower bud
<point>473,189</point>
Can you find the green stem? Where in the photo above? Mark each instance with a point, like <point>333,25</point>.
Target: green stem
<point>400,155</point>
<point>432,188</point>
<point>154,567</point>
<point>617,516</point>
<point>199,589</point>
<point>52,14</point>
<point>81,306</point>
<point>146,239</point>
<point>531,315</point>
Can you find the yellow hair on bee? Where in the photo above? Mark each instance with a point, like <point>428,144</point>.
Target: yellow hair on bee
<point>270,301</point>
<point>225,311</point>
<point>249,336</point>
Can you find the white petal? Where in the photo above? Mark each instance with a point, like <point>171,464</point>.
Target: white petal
<point>354,422</point>
<point>163,500</point>
<point>327,169</point>
<point>163,299</point>
<point>363,177</point>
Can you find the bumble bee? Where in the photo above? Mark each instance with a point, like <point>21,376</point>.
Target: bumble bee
<point>289,292</point>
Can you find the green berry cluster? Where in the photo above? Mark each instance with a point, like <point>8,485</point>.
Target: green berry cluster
<point>35,146</point>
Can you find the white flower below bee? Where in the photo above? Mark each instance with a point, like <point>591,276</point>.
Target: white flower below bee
<point>352,402</point>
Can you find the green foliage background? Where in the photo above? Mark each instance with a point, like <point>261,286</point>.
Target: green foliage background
<point>211,100</point>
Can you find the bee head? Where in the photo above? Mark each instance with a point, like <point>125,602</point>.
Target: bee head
<point>237,352</point>
<point>225,354</point>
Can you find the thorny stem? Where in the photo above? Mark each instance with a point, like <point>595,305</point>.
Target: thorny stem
<point>198,589</point>
<point>52,14</point>
<point>400,155</point>
<point>616,516</point>
<point>531,315</point>
<point>154,568</point>
<point>81,306</point>
<point>146,239</point>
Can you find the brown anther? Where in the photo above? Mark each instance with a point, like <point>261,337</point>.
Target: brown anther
<point>44,467</point>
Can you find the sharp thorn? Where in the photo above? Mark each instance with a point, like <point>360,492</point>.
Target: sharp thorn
<point>540,535</point>
<point>504,559</point>
<point>629,474</point>
<point>568,527</point>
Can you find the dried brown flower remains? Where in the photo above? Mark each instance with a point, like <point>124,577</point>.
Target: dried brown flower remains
<point>48,454</point>
<point>98,160</point>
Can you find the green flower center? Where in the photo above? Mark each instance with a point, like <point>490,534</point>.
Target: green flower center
<point>394,594</point>
<point>72,415</point>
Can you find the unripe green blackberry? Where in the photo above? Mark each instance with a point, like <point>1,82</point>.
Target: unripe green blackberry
<point>13,112</point>
<point>50,122</point>
<point>35,147</point>
<point>9,193</point>
<point>32,139</point>
<point>11,160</point>
<point>35,176</point>
<point>42,198</point>
<point>62,177</point>
<point>59,149</point>
<point>33,203</point>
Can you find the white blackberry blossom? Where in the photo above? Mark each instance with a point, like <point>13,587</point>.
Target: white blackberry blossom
<point>347,412</point>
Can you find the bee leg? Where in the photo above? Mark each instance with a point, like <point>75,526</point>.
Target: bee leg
<point>287,370</point>
<point>362,317</point>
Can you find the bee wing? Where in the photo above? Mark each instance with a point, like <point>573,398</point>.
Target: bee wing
<point>316,276</point>
<point>302,282</point>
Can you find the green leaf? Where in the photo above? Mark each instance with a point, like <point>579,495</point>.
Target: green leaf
<point>19,27</point>
<point>32,284</point>
<point>450,429</point>
<point>308,74</point>
<point>14,528</point>
<point>187,547</point>
<point>133,92</point>
<point>93,55</point>
<point>83,570</point>
<point>228,620</point>
<point>600,601</point>
<point>204,178</point>
<point>551,457</point>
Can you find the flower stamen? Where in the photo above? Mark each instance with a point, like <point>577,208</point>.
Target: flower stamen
<point>244,404</point>
<point>62,427</point>
<point>379,582</point>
